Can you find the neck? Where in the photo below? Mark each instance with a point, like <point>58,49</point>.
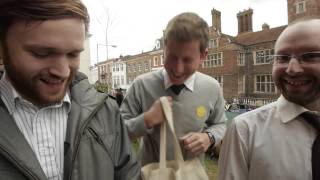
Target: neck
<point>314,106</point>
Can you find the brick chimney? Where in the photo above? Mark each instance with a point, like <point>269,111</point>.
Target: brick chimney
<point>245,21</point>
<point>216,20</point>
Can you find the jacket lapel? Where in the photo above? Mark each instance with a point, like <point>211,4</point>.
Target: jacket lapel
<point>13,144</point>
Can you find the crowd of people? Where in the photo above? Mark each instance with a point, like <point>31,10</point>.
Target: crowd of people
<point>54,125</point>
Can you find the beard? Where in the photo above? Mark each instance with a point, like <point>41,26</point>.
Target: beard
<point>28,85</point>
<point>303,99</point>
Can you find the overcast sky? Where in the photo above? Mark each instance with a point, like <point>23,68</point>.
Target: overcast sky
<point>134,25</point>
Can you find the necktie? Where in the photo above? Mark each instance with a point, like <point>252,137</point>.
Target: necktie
<point>177,88</point>
<point>314,121</point>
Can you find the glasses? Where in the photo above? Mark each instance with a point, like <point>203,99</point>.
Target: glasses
<point>305,58</point>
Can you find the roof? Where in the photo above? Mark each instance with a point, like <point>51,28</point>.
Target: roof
<point>251,38</point>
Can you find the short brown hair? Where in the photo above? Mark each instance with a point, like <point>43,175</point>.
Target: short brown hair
<point>186,27</point>
<point>39,10</point>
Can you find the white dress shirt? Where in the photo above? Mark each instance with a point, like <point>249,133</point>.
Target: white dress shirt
<point>44,129</point>
<point>270,143</point>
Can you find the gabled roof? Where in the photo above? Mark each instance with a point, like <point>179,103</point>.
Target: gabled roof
<point>251,38</point>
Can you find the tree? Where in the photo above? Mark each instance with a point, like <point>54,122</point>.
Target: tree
<point>101,87</point>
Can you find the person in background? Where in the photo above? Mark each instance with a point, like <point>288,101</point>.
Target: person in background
<point>119,96</point>
<point>281,140</point>
<point>54,125</point>
<point>197,101</point>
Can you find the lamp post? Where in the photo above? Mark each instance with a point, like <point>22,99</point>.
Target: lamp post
<point>106,45</point>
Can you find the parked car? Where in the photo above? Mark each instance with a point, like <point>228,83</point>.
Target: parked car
<point>238,108</point>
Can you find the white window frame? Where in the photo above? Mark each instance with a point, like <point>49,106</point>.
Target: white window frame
<point>161,59</point>
<point>220,80</point>
<point>241,88</point>
<point>264,86</point>
<point>241,58</point>
<point>213,60</point>
<point>265,56</point>
<point>300,4</point>
<point>122,80</point>
<point>155,61</point>
<point>139,67</point>
<point>213,43</point>
<point>134,67</point>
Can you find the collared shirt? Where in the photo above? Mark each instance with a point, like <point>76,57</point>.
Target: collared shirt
<point>270,143</point>
<point>189,83</point>
<point>44,129</point>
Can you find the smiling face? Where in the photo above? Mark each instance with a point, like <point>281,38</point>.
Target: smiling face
<point>299,83</point>
<point>41,57</point>
<point>182,59</point>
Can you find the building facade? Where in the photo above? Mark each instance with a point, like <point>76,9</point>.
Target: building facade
<point>242,64</point>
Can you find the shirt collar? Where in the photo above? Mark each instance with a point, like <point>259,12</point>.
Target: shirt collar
<point>288,111</point>
<point>189,83</point>
<point>10,96</point>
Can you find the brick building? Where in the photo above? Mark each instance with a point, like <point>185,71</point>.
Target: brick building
<point>242,64</point>
<point>105,72</point>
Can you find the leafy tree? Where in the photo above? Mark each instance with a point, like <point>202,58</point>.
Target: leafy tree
<point>101,87</point>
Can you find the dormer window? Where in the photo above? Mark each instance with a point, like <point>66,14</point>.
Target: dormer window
<point>213,43</point>
<point>300,7</point>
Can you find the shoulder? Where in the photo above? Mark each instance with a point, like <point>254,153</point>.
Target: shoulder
<point>150,76</point>
<point>253,120</point>
<point>205,79</point>
<point>149,79</point>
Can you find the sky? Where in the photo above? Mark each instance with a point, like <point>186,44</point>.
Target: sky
<point>135,25</point>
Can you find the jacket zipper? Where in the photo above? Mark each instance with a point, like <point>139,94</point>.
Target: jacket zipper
<point>78,138</point>
<point>99,140</point>
<point>22,168</point>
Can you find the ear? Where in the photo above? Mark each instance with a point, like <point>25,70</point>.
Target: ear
<point>203,56</point>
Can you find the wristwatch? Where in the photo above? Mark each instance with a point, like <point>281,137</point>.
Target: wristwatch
<point>211,137</point>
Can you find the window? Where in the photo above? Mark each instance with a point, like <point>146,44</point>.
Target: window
<point>146,66</point>
<point>121,67</point>
<point>241,59</point>
<point>241,84</point>
<point>139,67</point>
<point>155,61</point>
<point>264,56</point>
<point>213,60</point>
<point>264,84</point>
<point>161,60</point>
<point>128,67</point>
<point>213,43</point>
<point>122,80</point>
<point>300,7</point>
<point>129,80</point>
<point>133,67</point>
<point>220,80</point>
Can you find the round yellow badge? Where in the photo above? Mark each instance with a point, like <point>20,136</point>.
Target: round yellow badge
<point>201,111</point>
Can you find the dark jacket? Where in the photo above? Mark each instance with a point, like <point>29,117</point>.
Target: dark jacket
<point>96,147</point>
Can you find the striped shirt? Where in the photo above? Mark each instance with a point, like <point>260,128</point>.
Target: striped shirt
<point>44,128</point>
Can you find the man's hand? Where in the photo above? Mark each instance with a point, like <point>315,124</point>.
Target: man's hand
<point>196,143</point>
<point>155,115</point>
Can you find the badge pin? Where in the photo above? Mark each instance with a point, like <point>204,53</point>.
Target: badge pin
<point>201,111</point>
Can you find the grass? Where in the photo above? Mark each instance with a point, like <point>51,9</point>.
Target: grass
<point>211,165</point>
